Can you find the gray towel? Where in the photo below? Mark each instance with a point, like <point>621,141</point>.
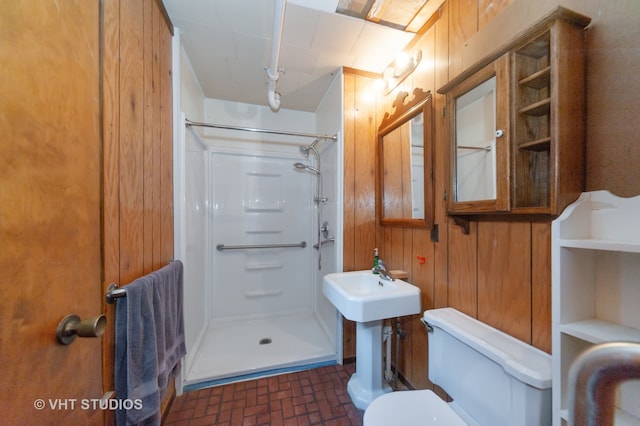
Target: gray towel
<point>149,342</point>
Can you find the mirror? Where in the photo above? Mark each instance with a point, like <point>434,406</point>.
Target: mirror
<point>475,159</point>
<point>404,195</point>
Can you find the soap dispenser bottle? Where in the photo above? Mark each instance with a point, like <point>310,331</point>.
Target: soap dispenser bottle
<point>376,259</point>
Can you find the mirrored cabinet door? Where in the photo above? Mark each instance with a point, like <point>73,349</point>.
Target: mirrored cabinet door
<point>476,143</point>
<point>479,155</point>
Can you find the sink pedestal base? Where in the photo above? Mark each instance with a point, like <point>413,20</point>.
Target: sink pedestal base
<point>366,384</point>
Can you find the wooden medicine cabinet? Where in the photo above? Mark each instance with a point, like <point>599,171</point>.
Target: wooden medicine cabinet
<point>516,124</point>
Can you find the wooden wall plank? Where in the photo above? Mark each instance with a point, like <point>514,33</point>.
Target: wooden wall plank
<point>394,250</point>
<point>365,169</point>
<point>156,134</point>
<point>406,364</point>
<point>166,147</point>
<point>348,258</point>
<point>147,143</point>
<point>441,159</point>
<point>422,276</point>
<point>541,286</point>
<point>463,23</point>
<point>131,180</point>
<point>463,269</point>
<point>504,278</point>
<point>488,9</point>
<point>421,271</point>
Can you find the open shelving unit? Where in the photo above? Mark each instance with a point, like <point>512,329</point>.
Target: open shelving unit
<point>532,140</point>
<point>595,290</point>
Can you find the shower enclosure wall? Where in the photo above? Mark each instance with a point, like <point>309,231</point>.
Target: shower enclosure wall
<point>250,221</point>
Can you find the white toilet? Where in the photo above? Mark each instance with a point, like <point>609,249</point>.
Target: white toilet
<point>493,379</point>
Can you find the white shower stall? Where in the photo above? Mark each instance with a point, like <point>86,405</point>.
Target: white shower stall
<point>248,231</point>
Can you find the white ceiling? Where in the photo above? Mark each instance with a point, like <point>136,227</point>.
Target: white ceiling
<point>229,44</point>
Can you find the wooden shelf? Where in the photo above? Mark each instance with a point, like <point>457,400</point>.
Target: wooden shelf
<point>537,109</point>
<point>536,49</point>
<point>538,80</point>
<point>543,144</point>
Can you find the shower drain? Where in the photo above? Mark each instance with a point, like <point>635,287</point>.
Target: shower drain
<point>265,341</point>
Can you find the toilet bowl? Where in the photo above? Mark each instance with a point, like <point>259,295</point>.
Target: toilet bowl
<point>493,379</point>
<point>423,405</point>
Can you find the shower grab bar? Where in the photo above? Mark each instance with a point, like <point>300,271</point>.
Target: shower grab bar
<point>323,242</point>
<point>222,247</point>
<point>251,129</point>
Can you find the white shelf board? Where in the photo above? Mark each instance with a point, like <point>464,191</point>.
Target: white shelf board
<point>629,247</point>
<point>621,418</point>
<point>564,414</point>
<point>597,331</point>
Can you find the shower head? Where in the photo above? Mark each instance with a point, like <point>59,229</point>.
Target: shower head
<point>301,166</point>
<point>314,143</point>
<point>305,149</point>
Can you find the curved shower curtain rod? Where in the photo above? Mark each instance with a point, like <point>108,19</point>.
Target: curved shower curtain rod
<point>250,129</point>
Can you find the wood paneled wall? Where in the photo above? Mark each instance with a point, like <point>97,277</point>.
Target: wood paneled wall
<point>137,147</point>
<point>499,272</point>
<point>360,118</point>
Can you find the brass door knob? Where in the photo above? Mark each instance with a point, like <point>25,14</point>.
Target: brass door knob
<point>71,327</point>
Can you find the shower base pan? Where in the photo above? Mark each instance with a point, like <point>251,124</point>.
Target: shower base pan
<point>246,350</point>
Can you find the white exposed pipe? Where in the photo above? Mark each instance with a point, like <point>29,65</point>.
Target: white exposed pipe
<point>273,72</point>
<point>387,332</point>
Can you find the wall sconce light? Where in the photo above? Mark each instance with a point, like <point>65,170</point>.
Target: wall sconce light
<point>400,69</point>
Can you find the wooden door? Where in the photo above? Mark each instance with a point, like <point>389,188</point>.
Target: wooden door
<point>50,192</point>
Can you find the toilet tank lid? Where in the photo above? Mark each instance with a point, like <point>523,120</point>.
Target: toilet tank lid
<point>525,362</point>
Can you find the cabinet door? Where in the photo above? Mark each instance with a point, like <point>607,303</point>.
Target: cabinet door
<point>479,125</point>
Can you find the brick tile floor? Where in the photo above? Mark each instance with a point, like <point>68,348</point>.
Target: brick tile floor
<point>311,397</point>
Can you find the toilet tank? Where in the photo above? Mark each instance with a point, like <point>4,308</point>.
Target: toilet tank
<point>492,377</point>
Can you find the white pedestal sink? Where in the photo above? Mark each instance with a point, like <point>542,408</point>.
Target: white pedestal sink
<point>367,299</point>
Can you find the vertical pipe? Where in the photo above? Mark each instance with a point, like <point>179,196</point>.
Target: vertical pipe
<point>272,72</point>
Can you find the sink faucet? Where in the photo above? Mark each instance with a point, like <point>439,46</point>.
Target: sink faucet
<point>382,270</point>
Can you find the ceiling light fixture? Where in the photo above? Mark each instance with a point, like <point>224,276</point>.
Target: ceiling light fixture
<point>400,69</point>
<point>404,15</point>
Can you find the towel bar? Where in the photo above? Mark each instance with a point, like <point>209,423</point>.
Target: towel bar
<point>114,292</point>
